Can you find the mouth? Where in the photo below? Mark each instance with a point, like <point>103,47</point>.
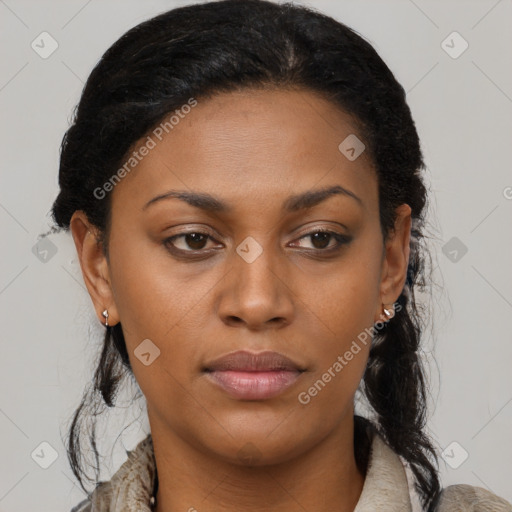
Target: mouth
<point>248,376</point>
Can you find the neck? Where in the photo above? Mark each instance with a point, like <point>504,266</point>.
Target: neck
<point>324,479</point>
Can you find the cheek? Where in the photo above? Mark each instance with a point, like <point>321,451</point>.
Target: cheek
<point>157,300</point>
<point>344,298</point>
<point>151,291</point>
<point>344,307</point>
<point>341,349</point>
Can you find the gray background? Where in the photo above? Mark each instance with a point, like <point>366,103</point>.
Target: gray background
<point>462,107</point>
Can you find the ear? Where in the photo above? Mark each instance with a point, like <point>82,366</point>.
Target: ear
<point>94,265</point>
<point>395,260</point>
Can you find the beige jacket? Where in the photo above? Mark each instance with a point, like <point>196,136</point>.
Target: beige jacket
<point>387,487</point>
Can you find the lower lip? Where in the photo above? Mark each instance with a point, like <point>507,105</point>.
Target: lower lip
<point>254,385</point>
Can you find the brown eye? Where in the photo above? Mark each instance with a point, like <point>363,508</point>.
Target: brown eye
<point>188,242</point>
<point>321,240</point>
<point>195,241</point>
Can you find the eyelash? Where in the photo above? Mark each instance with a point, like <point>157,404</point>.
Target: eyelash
<point>340,239</point>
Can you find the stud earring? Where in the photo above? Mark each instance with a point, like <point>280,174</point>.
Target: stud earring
<point>105,315</point>
<point>389,312</point>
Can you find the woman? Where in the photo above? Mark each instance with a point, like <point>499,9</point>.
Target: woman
<point>242,181</point>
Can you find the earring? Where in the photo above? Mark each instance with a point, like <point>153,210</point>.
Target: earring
<point>390,313</point>
<point>105,315</point>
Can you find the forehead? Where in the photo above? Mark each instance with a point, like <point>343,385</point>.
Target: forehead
<point>249,144</point>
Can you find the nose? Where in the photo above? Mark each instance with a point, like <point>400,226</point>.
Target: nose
<point>257,294</point>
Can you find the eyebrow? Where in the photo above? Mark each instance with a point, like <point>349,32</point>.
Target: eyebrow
<point>293,203</point>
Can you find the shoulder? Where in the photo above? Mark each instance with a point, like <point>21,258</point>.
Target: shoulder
<point>98,500</point>
<point>462,497</point>
<point>132,482</point>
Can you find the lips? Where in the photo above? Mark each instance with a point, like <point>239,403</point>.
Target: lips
<point>253,376</point>
<point>245,361</point>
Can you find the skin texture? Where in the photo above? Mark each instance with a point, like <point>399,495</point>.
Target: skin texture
<point>252,149</point>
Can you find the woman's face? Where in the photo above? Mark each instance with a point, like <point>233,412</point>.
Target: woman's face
<point>257,276</point>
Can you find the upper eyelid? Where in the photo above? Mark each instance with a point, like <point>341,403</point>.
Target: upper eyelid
<point>207,231</point>
<point>300,235</point>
